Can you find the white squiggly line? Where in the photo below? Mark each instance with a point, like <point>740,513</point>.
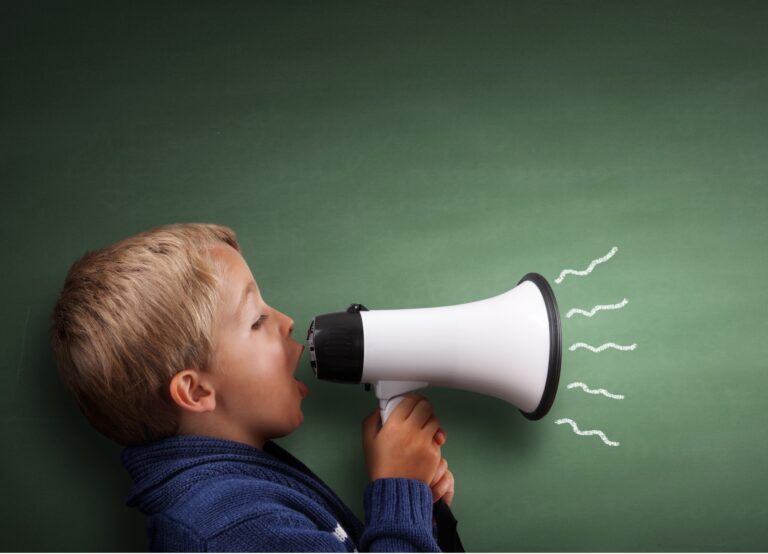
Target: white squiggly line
<point>587,271</point>
<point>587,433</point>
<point>596,309</point>
<point>596,391</point>
<point>602,347</point>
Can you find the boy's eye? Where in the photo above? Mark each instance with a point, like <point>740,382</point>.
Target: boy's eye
<point>258,322</point>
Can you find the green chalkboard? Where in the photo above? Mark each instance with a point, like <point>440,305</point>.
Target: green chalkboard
<point>417,154</point>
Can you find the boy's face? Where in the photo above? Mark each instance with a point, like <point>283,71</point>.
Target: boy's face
<point>254,360</point>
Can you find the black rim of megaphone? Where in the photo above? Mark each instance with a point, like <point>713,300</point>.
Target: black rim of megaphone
<point>555,347</point>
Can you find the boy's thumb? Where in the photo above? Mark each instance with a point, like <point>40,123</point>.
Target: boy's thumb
<point>371,425</point>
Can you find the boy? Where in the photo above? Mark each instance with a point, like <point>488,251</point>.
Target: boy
<point>169,349</point>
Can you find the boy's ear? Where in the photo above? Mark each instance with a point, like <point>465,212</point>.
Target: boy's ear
<point>192,392</point>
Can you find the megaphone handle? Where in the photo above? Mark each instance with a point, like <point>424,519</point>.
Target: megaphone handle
<point>386,407</point>
<point>447,536</point>
<point>391,393</point>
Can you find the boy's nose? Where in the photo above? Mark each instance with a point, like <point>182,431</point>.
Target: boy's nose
<point>289,324</point>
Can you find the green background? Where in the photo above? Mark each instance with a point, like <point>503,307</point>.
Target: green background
<point>415,154</point>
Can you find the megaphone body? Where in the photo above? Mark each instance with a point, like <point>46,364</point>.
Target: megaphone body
<point>508,346</point>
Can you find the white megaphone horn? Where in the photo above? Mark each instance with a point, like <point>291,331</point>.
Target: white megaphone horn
<point>508,346</point>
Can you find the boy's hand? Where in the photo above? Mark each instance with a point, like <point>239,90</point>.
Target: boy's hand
<point>408,445</point>
<point>442,484</point>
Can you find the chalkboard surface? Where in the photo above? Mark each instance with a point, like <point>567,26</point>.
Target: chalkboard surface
<point>416,154</point>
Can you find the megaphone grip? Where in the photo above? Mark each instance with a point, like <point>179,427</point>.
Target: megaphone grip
<point>388,406</point>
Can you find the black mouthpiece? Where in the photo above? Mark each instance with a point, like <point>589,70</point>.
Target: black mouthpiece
<point>336,345</point>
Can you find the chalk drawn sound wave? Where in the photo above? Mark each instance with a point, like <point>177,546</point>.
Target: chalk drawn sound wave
<point>587,271</point>
<point>602,347</point>
<point>596,309</point>
<point>604,392</point>
<point>591,432</point>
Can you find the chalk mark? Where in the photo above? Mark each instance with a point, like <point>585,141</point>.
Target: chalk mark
<point>595,391</point>
<point>596,309</point>
<point>587,433</point>
<point>602,347</point>
<point>587,271</point>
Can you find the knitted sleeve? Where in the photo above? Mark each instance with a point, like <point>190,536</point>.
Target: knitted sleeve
<point>398,517</point>
<point>279,531</point>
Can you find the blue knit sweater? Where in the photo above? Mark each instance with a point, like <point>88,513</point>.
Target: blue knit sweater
<point>206,494</point>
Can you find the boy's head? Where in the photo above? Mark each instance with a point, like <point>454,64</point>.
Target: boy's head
<point>166,333</point>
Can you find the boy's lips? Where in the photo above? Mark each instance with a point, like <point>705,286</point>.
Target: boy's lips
<point>298,359</point>
<point>302,388</point>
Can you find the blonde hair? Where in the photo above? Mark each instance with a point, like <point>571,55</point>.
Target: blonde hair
<point>130,316</point>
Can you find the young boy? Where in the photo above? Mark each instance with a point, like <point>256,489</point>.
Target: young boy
<point>169,348</point>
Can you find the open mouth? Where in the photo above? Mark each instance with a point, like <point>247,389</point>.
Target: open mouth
<point>302,387</point>
<point>298,359</point>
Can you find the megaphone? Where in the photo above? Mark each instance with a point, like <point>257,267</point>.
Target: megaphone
<point>508,347</point>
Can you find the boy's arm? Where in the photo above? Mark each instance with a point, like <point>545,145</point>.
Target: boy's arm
<point>398,517</point>
<point>283,530</point>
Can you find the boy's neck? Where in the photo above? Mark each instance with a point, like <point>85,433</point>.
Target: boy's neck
<point>209,427</point>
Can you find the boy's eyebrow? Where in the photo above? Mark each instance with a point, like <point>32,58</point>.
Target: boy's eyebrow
<point>250,289</point>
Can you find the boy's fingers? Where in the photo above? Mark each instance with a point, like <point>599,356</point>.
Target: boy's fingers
<point>422,413</point>
<point>439,490</point>
<point>432,427</point>
<point>443,488</point>
<point>403,410</point>
<point>441,469</point>
<point>441,437</point>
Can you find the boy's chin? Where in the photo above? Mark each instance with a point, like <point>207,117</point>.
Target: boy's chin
<point>296,420</point>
